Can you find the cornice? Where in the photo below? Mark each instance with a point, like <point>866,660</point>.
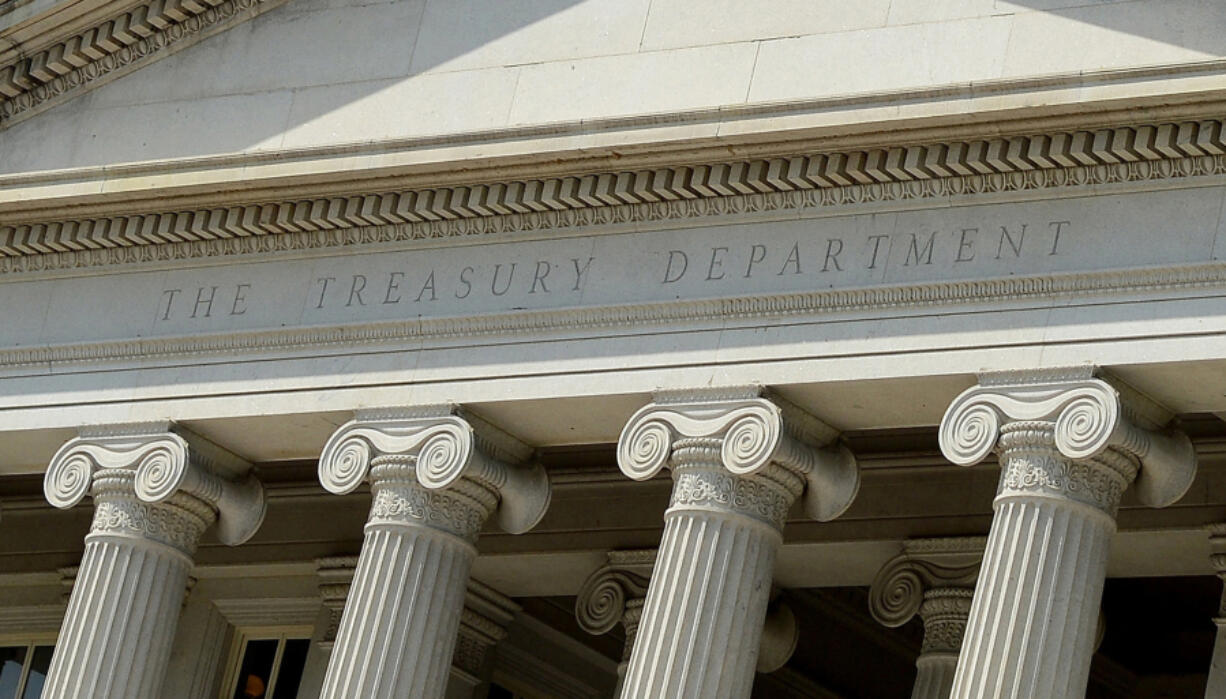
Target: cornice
<point>84,58</point>
<point>1062,162</point>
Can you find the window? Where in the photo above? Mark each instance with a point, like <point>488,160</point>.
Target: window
<point>23,669</point>
<point>266,664</point>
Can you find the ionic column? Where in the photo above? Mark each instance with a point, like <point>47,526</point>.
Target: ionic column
<point>156,488</point>
<point>1217,669</point>
<point>1068,446</point>
<point>435,475</point>
<point>738,463</point>
<point>934,578</point>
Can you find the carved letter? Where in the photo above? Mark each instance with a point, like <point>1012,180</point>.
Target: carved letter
<point>876,239</point>
<point>170,298</point>
<point>966,246</point>
<point>757,253</point>
<point>914,252</point>
<point>668,272</point>
<point>428,285</point>
<point>1017,247</point>
<point>323,291</point>
<point>208,303</point>
<point>793,259</point>
<point>494,282</point>
<point>468,287</point>
<point>393,284</point>
<point>1059,226</point>
<point>832,254</point>
<point>355,290</point>
<point>580,272</point>
<point>239,299</point>
<point>715,261</point>
<point>542,270</point>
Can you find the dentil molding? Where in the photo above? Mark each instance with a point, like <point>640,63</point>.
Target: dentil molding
<point>812,183</point>
<point>31,81</point>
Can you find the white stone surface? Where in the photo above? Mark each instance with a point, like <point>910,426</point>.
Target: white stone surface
<point>736,469</point>
<point>1065,462</point>
<point>434,482</point>
<point>154,495</point>
<point>259,88</point>
<point>971,242</point>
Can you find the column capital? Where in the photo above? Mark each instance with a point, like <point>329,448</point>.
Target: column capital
<point>161,464</point>
<point>1108,428</point>
<point>466,466</point>
<point>614,592</point>
<point>752,431</point>
<point>901,586</point>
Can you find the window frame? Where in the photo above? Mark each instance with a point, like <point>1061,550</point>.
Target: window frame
<point>30,641</point>
<point>238,648</point>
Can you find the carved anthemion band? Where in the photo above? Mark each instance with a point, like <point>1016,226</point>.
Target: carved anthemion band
<point>750,435</point>
<point>1086,419</point>
<point>825,180</point>
<point>160,464</point>
<point>30,82</point>
<point>441,450</point>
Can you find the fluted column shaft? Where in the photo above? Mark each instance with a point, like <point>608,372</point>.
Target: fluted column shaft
<point>944,612</point>
<point>1032,623</point>
<point>1069,441</point>
<point>702,621</point>
<point>399,627</point>
<point>436,475</point>
<point>124,608</point>
<point>738,461</point>
<point>156,487</point>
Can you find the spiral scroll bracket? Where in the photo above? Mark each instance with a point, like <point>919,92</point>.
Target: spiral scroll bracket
<point>1089,417</point>
<point>754,434</point>
<point>446,447</point>
<point>899,587</point>
<point>167,459</point>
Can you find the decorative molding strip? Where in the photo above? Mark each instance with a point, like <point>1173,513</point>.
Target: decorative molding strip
<point>814,182</point>
<point>122,43</point>
<point>268,611</point>
<point>349,336</point>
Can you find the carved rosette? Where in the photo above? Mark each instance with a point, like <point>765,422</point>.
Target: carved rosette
<point>156,482</point>
<point>1069,435</point>
<point>736,452</point>
<point>431,467</point>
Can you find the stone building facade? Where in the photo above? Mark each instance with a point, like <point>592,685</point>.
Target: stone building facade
<point>591,348</point>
